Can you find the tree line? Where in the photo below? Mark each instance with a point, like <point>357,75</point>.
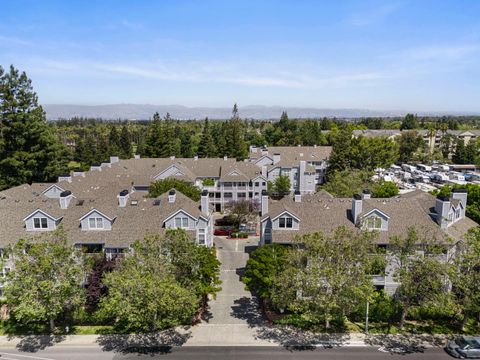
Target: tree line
<point>324,280</point>
<point>161,283</point>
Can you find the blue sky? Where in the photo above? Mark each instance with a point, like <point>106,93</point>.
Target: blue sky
<point>416,55</point>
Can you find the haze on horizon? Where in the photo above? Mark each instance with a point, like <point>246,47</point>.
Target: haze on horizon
<point>379,55</point>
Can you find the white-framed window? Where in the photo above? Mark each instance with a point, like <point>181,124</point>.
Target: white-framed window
<point>40,223</point>
<point>95,223</point>
<point>201,236</point>
<point>374,223</point>
<point>181,222</point>
<point>285,222</point>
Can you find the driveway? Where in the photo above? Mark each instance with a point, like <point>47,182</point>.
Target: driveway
<point>234,314</point>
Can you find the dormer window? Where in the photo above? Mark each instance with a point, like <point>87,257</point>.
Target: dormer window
<point>285,222</point>
<point>374,223</point>
<point>40,223</point>
<point>95,223</point>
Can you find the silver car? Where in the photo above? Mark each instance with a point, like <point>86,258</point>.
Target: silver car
<point>466,347</point>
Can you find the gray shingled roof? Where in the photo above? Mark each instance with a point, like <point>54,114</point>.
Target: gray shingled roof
<point>317,212</point>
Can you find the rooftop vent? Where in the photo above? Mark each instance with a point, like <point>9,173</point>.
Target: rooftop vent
<point>80,202</point>
<point>156,202</point>
<point>124,193</point>
<point>134,202</point>
<point>65,193</point>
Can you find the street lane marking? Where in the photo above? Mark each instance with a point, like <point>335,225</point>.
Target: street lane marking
<point>27,356</point>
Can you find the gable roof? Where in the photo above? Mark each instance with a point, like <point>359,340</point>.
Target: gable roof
<point>98,212</point>
<point>41,212</point>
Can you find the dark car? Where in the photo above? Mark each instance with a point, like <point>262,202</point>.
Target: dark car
<point>464,347</point>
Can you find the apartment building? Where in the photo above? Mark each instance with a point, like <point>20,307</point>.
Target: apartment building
<point>440,218</point>
<point>305,166</point>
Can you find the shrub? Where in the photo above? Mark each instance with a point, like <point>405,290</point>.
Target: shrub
<point>208,182</point>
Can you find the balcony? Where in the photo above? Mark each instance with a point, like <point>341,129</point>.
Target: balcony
<point>378,280</point>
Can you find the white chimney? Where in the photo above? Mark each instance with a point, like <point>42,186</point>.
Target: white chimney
<point>114,159</point>
<point>123,198</point>
<point>172,157</point>
<point>65,198</point>
<point>366,194</point>
<point>171,196</point>
<point>276,158</point>
<point>136,156</point>
<point>264,204</point>
<point>297,196</point>
<point>442,207</point>
<point>225,157</point>
<point>195,157</point>
<point>264,171</point>
<point>65,177</point>
<point>357,205</point>
<point>253,149</point>
<point>204,202</point>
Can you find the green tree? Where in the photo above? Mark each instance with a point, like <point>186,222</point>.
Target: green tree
<point>207,146</point>
<point>143,295</point>
<point>346,183</point>
<point>326,276</point>
<point>234,132</point>
<point>154,139</point>
<point>369,153</point>
<point>280,187</point>
<point>126,148</point>
<point>410,143</point>
<point>410,122</point>
<point>160,187</point>
<point>465,277</point>
<point>29,149</point>
<point>114,141</point>
<point>263,266</point>
<point>422,276</point>
<point>195,266</point>
<point>385,189</point>
<point>340,158</point>
<point>44,283</point>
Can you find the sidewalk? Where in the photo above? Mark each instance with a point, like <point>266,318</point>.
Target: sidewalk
<point>231,335</point>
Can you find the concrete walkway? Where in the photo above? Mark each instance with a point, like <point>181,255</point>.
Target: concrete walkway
<point>234,314</point>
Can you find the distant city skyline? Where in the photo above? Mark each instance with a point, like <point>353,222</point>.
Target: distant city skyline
<point>396,55</point>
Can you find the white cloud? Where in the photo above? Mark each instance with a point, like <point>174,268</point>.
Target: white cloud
<point>372,15</point>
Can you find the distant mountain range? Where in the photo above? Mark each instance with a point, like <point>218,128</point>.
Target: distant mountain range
<point>146,111</point>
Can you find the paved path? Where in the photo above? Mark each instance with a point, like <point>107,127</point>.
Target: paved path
<point>234,314</point>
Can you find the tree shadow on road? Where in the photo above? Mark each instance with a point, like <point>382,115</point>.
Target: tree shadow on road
<point>155,343</point>
<point>34,343</point>
<point>404,344</point>
<point>298,340</point>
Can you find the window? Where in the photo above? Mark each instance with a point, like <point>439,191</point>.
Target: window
<point>40,223</point>
<point>374,223</point>
<point>95,223</point>
<point>285,222</point>
<point>257,183</point>
<point>201,236</point>
<point>241,195</point>
<point>181,222</point>
<point>227,195</point>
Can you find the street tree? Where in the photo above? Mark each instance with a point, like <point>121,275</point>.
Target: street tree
<point>45,281</point>
<point>465,277</point>
<point>419,271</point>
<point>326,276</point>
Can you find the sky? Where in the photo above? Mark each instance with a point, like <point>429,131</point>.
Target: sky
<point>412,55</point>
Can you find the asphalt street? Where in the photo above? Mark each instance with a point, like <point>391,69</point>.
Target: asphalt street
<point>200,353</point>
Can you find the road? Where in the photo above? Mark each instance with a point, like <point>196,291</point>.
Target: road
<point>209,353</point>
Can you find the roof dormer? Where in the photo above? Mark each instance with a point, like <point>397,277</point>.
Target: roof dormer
<point>96,220</point>
<point>39,220</point>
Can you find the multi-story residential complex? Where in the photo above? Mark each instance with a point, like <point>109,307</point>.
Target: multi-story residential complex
<point>432,139</point>
<point>440,218</point>
<point>305,166</point>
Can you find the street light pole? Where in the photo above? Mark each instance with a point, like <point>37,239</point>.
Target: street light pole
<point>366,318</point>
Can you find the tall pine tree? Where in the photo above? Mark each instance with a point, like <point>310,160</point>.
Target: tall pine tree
<point>207,146</point>
<point>29,150</point>
<point>125,143</point>
<point>236,146</point>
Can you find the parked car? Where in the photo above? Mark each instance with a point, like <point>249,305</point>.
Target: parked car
<point>225,221</point>
<point>465,347</point>
<point>223,231</point>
